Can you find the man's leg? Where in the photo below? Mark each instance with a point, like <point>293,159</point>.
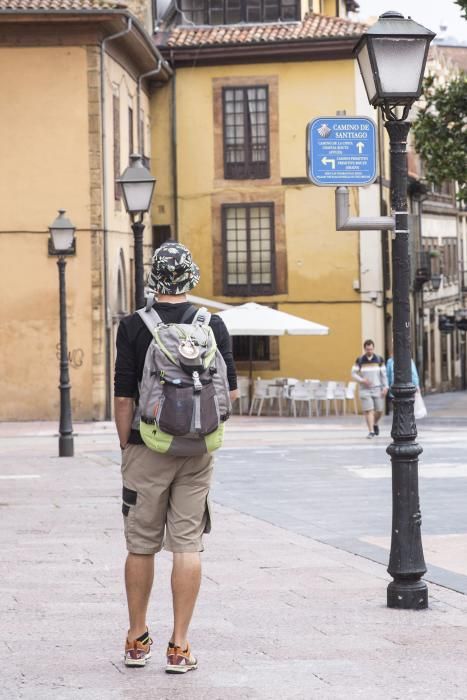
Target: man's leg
<point>139,576</point>
<point>378,415</point>
<point>370,420</point>
<point>186,580</point>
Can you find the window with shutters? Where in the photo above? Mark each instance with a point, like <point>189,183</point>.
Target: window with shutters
<point>214,12</point>
<point>246,132</point>
<point>450,263</point>
<point>248,245</point>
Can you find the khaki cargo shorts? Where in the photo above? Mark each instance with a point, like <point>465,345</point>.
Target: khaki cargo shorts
<point>168,495</point>
<point>372,400</point>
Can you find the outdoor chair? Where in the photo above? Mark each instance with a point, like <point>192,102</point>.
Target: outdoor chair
<point>260,393</point>
<point>288,389</point>
<point>350,395</point>
<point>302,392</point>
<point>243,385</point>
<point>275,392</point>
<point>340,395</point>
<point>320,392</point>
<point>330,397</point>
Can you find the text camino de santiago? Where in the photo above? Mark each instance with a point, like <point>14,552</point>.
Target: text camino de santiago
<point>351,131</point>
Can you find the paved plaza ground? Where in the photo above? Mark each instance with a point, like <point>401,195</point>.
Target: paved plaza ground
<point>293,598</point>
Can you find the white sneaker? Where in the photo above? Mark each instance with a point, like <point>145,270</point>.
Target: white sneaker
<point>179,661</point>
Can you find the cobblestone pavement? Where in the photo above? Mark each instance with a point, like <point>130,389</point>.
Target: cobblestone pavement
<point>284,612</point>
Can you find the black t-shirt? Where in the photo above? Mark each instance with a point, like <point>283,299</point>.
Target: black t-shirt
<point>134,338</point>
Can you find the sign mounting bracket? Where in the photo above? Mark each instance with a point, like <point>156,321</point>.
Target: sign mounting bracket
<point>345,222</point>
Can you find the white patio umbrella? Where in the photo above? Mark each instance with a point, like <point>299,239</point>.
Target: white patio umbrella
<point>255,319</point>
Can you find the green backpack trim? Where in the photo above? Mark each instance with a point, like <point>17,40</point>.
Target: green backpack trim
<point>209,357</point>
<point>214,440</point>
<point>154,438</point>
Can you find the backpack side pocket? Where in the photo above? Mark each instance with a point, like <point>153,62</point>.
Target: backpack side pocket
<point>175,410</point>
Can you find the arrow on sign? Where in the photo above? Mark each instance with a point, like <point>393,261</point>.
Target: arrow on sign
<point>360,147</point>
<point>329,160</point>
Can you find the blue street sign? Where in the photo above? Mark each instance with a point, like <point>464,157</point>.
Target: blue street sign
<point>341,151</point>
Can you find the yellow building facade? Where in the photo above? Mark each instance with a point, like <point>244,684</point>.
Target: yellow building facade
<point>69,122</point>
<point>317,271</point>
<point>89,83</point>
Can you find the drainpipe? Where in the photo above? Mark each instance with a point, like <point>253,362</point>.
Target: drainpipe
<point>154,71</point>
<point>174,155</point>
<point>108,327</point>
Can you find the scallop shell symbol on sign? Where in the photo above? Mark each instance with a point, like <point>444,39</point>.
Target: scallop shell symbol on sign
<point>324,131</point>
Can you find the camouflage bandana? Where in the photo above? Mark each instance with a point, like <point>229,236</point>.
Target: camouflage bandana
<point>173,270</point>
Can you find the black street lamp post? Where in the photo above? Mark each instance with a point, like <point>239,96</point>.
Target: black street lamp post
<point>137,185</point>
<point>62,234</point>
<point>392,57</point>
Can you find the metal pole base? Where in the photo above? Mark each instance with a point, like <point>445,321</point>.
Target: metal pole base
<point>408,595</point>
<point>65,446</point>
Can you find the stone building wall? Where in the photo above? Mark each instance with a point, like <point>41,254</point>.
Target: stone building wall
<point>142,10</point>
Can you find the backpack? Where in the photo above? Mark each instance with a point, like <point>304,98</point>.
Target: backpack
<point>184,396</point>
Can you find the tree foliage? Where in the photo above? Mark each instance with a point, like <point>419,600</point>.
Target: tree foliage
<point>463,5</point>
<point>440,131</point>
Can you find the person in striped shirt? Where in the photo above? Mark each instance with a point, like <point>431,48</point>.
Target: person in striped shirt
<point>369,371</point>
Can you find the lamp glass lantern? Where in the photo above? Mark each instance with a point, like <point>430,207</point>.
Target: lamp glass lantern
<point>137,185</point>
<point>62,233</point>
<point>436,280</point>
<point>392,56</point>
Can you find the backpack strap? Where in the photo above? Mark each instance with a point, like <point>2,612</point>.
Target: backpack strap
<point>202,317</point>
<point>187,314</point>
<point>150,299</point>
<point>150,318</point>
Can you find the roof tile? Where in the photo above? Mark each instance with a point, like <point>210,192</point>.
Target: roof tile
<point>313,26</point>
<point>58,5</point>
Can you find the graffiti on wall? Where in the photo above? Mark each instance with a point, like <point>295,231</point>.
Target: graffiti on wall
<point>75,356</point>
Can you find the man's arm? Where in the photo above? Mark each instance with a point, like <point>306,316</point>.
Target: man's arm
<point>356,374</point>
<point>125,385</point>
<point>123,410</point>
<point>224,345</point>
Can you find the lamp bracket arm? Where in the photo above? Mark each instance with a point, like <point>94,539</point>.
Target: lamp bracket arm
<point>345,222</point>
<point>137,218</point>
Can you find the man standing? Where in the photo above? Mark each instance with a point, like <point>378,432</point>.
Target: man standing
<point>370,372</point>
<point>165,497</point>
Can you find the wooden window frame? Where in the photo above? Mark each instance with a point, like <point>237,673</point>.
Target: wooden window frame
<point>249,289</point>
<point>249,169</point>
<point>450,267</point>
<point>254,339</point>
<point>273,132</point>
